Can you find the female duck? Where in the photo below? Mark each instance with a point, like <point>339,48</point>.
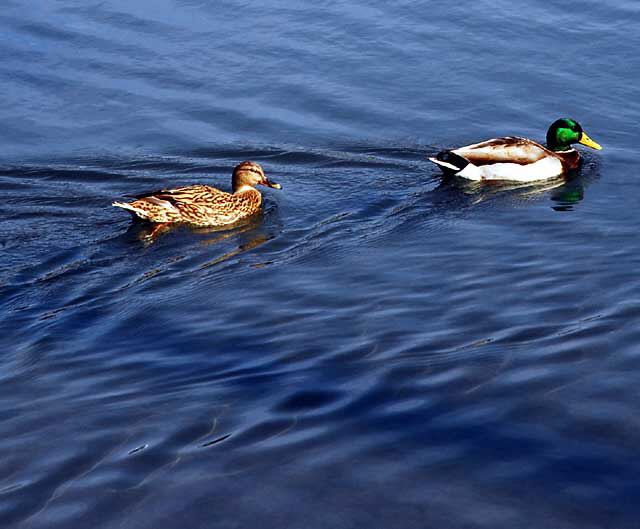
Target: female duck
<point>519,159</point>
<point>202,205</point>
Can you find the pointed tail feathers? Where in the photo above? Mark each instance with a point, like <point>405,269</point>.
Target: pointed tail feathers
<point>450,161</point>
<point>132,209</point>
<point>445,166</point>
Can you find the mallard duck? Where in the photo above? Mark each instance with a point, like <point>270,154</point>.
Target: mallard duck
<point>519,159</point>
<point>202,205</point>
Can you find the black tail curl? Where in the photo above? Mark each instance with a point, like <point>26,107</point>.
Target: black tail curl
<point>453,159</point>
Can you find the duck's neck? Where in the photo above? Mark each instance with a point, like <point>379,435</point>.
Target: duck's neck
<point>559,148</point>
<point>243,188</point>
<point>248,195</point>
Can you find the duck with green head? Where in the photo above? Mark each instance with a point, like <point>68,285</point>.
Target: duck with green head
<point>519,159</point>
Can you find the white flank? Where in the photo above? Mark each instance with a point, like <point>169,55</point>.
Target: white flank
<point>472,172</point>
<point>540,170</point>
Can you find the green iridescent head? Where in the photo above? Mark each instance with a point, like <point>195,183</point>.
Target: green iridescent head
<point>564,132</point>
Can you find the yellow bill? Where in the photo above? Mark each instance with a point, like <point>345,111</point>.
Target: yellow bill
<point>586,140</point>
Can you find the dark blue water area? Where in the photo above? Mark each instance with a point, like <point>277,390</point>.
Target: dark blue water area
<point>380,347</point>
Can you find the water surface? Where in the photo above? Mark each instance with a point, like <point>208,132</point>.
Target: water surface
<point>380,348</point>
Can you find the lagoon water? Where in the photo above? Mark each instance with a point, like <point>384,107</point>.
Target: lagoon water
<point>381,348</point>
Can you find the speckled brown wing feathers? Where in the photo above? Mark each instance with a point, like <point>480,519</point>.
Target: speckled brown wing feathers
<point>198,204</point>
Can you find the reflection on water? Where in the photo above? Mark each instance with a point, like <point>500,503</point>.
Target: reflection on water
<point>568,195</point>
<point>149,232</point>
<point>568,190</point>
<point>254,241</point>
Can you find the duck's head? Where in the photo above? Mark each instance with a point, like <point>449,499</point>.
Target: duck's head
<point>251,174</point>
<point>564,132</point>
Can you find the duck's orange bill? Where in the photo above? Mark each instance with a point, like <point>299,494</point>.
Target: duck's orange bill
<point>586,140</point>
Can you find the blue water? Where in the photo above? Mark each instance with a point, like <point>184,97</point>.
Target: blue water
<point>380,348</point>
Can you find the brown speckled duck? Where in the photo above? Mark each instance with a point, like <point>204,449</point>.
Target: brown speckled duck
<point>202,205</point>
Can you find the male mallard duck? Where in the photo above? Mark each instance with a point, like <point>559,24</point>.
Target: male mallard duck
<point>519,159</point>
<point>202,205</point>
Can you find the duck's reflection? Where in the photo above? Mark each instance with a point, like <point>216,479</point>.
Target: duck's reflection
<point>565,192</point>
<point>256,240</point>
<point>148,232</point>
<point>251,230</point>
<point>568,195</point>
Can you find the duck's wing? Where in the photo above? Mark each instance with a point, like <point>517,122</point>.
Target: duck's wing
<point>520,151</point>
<point>516,159</point>
<point>184,195</point>
<point>171,205</point>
